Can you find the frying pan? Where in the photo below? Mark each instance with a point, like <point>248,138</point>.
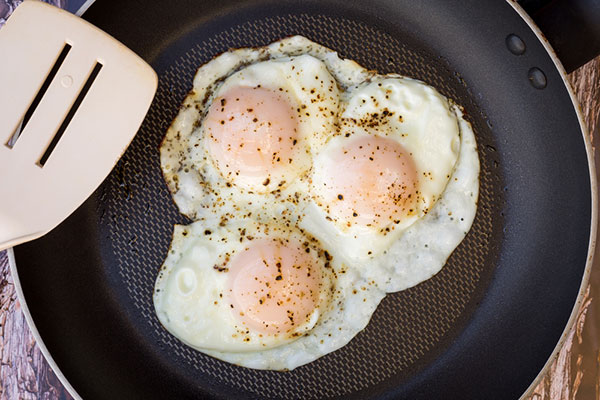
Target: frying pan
<point>482,328</point>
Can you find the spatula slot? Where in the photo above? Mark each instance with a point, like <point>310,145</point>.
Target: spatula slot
<point>40,94</point>
<point>63,126</point>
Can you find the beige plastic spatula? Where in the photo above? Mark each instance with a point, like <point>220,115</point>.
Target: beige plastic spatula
<point>71,100</point>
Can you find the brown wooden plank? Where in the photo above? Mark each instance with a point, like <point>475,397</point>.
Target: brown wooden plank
<point>575,374</point>
<point>24,373</point>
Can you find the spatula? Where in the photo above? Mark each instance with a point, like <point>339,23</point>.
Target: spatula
<point>71,100</point>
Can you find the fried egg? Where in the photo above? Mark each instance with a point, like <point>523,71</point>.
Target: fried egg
<point>251,132</point>
<point>316,187</point>
<point>399,259</point>
<point>387,165</point>
<point>265,119</point>
<point>248,292</point>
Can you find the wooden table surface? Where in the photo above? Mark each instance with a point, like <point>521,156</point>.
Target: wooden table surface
<point>574,375</point>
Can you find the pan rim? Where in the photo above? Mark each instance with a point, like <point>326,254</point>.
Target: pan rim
<point>591,245</point>
<point>593,189</point>
<point>31,324</point>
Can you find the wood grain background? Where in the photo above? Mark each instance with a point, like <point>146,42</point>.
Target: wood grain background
<point>574,374</point>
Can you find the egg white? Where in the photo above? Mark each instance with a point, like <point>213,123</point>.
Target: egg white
<point>414,115</point>
<point>191,295</point>
<point>412,254</point>
<point>293,66</point>
<point>419,118</point>
<point>353,302</point>
<point>421,250</point>
<point>191,302</point>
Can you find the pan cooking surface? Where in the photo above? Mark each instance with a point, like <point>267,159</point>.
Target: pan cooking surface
<point>481,328</point>
<point>408,327</point>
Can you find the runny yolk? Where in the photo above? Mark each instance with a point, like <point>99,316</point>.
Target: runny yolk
<point>252,134</point>
<point>273,286</point>
<point>371,181</point>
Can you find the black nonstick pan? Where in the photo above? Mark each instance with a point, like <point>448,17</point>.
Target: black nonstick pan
<point>482,328</point>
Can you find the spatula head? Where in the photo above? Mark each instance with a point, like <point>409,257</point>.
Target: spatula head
<point>72,99</point>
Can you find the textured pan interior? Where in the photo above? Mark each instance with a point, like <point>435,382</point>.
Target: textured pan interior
<point>407,326</point>
<point>482,328</point>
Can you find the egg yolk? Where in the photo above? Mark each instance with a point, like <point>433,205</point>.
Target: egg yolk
<point>371,181</point>
<point>252,134</point>
<point>273,286</point>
